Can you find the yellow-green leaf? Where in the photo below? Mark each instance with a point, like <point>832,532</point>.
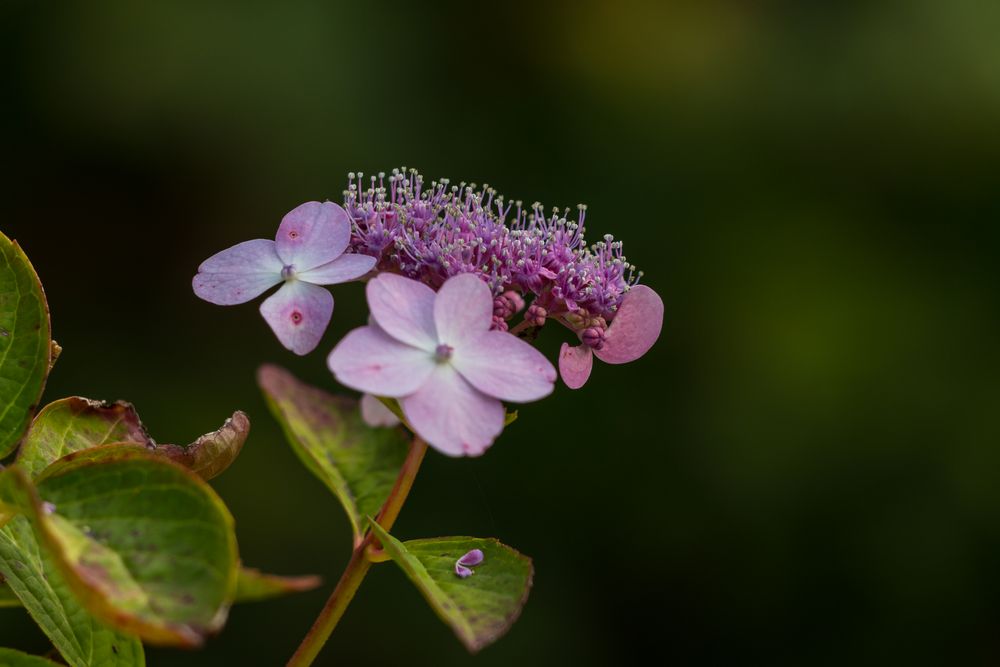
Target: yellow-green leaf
<point>253,585</point>
<point>480,608</point>
<point>359,464</point>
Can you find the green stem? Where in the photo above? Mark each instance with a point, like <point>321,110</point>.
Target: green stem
<point>359,564</point>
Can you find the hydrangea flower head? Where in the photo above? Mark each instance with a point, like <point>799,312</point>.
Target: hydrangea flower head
<point>431,232</point>
<point>308,251</point>
<point>437,354</point>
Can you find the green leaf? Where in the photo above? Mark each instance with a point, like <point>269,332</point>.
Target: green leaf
<point>73,424</point>
<point>11,658</point>
<point>33,576</point>
<point>25,351</point>
<point>481,608</point>
<point>358,463</point>
<point>144,543</point>
<point>253,585</point>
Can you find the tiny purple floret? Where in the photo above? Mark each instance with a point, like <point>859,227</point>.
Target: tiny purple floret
<point>471,559</point>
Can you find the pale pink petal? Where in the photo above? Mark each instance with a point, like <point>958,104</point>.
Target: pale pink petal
<point>238,274</point>
<point>575,364</point>
<point>298,314</point>
<point>370,360</point>
<point>452,415</point>
<point>503,366</point>
<point>463,309</point>
<point>635,328</point>
<point>313,234</point>
<point>374,412</point>
<point>404,308</point>
<point>344,268</point>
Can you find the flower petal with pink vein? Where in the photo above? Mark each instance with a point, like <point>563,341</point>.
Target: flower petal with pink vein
<point>298,314</point>
<point>503,366</point>
<point>370,360</point>
<point>463,309</point>
<point>404,308</point>
<point>452,415</point>
<point>238,274</point>
<point>313,234</point>
<point>575,364</point>
<point>636,327</point>
<point>344,268</point>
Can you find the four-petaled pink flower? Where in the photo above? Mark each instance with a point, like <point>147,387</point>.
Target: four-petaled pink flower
<point>632,332</point>
<point>308,251</point>
<point>437,355</point>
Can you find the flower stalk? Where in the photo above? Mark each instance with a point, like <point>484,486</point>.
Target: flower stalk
<point>357,568</point>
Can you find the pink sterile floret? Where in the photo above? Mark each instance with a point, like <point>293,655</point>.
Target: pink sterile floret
<point>634,329</point>
<point>308,251</point>
<point>437,355</point>
<point>375,413</point>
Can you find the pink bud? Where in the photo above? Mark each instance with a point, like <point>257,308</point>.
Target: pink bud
<point>499,323</point>
<point>516,300</point>
<point>593,337</point>
<point>536,315</point>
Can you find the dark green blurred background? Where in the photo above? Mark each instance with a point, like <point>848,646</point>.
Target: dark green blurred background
<point>804,470</point>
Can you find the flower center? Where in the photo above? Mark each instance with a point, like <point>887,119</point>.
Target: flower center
<point>288,272</point>
<point>443,353</point>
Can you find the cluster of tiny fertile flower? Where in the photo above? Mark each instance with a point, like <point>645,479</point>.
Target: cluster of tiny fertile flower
<point>431,233</point>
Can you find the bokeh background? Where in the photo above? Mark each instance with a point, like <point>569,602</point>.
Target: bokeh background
<point>804,470</point>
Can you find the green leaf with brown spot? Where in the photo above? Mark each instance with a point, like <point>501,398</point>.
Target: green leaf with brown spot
<point>25,343</point>
<point>144,543</point>
<point>73,424</point>
<point>254,585</point>
<point>480,608</point>
<point>359,464</point>
<point>11,658</point>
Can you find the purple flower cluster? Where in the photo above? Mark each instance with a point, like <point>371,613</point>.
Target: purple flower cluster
<point>433,232</point>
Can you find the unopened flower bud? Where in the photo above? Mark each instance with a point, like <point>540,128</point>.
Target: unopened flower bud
<point>593,337</point>
<point>577,320</point>
<point>516,300</point>
<point>502,307</point>
<point>499,323</point>
<point>536,315</point>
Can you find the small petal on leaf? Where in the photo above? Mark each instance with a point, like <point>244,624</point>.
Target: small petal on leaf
<point>238,274</point>
<point>479,609</point>
<point>453,416</point>
<point>298,314</point>
<point>344,268</point>
<point>504,366</point>
<point>575,364</point>
<point>472,558</point>
<point>635,328</point>
<point>313,234</point>
<point>404,308</point>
